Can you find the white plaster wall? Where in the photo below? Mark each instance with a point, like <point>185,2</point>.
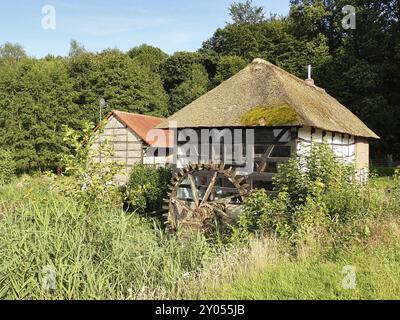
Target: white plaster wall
<point>343,145</point>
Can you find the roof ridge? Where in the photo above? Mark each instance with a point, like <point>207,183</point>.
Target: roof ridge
<point>137,114</point>
<point>277,68</point>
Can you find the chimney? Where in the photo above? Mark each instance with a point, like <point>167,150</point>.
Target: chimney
<point>309,79</point>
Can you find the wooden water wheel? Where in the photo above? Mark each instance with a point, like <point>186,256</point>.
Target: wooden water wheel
<point>205,197</point>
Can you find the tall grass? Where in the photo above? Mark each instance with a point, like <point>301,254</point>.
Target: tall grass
<point>377,276</point>
<point>95,254</point>
<point>100,253</point>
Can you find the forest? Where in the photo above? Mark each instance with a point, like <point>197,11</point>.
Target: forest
<point>360,67</point>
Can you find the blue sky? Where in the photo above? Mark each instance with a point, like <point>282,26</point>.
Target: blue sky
<point>172,25</point>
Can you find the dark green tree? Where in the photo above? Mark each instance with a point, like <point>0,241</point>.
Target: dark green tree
<point>121,81</point>
<point>227,67</point>
<point>189,90</point>
<point>178,68</point>
<point>36,99</point>
<point>148,56</point>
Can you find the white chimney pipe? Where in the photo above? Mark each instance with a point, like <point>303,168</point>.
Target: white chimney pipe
<point>309,72</point>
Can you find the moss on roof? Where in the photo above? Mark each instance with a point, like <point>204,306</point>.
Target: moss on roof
<point>264,84</point>
<point>270,116</point>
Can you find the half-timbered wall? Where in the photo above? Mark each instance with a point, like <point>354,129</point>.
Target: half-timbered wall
<point>259,160</point>
<point>129,149</point>
<point>275,146</point>
<point>127,146</point>
<point>157,156</point>
<point>347,148</point>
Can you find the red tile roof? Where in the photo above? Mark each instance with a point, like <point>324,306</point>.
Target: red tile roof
<point>144,127</point>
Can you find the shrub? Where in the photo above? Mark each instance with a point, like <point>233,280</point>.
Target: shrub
<point>90,182</point>
<point>312,194</point>
<point>147,187</point>
<point>322,177</point>
<point>382,171</point>
<point>397,173</point>
<point>262,212</point>
<point>7,167</point>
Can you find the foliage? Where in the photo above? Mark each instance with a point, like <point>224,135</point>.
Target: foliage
<point>189,90</point>
<point>148,56</point>
<point>315,194</point>
<point>12,52</point>
<point>261,212</point>
<point>382,171</point>
<point>76,49</point>
<point>270,40</point>
<point>227,67</point>
<point>36,99</point>
<point>246,12</point>
<point>92,182</point>
<point>178,68</point>
<point>397,174</point>
<point>147,188</point>
<point>120,80</point>
<point>7,167</point>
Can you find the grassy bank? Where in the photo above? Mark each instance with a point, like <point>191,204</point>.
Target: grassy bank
<point>377,276</point>
<point>103,253</point>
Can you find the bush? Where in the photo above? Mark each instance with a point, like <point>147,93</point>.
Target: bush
<point>383,171</point>
<point>147,187</point>
<point>7,167</point>
<point>397,173</point>
<point>89,181</point>
<point>320,177</point>
<point>264,213</point>
<point>313,193</point>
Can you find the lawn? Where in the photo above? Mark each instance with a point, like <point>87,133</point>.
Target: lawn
<point>377,276</point>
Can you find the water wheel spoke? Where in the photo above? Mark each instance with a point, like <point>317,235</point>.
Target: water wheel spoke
<point>218,210</point>
<point>195,194</point>
<point>183,205</point>
<point>227,199</point>
<point>199,207</point>
<point>209,188</point>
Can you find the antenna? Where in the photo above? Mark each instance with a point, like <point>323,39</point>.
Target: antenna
<point>309,72</point>
<point>103,104</point>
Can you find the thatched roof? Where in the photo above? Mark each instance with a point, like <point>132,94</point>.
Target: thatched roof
<point>276,97</point>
